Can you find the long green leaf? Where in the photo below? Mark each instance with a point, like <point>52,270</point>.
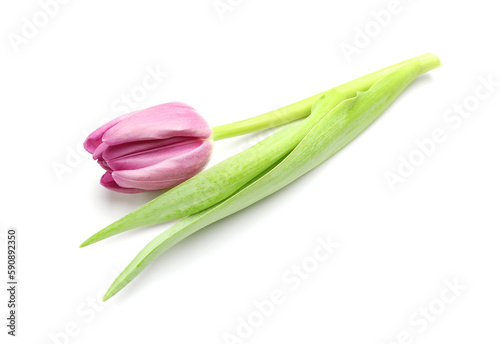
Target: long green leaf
<point>338,127</point>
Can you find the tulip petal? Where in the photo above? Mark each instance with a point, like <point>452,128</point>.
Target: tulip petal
<point>118,151</point>
<point>167,173</point>
<point>154,156</point>
<point>104,165</point>
<point>99,151</point>
<point>108,182</point>
<point>95,138</point>
<point>158,122</point>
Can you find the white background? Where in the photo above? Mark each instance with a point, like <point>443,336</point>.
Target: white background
<point>397,248</point>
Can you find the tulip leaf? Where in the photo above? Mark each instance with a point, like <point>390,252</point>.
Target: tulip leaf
<point>341,123</point>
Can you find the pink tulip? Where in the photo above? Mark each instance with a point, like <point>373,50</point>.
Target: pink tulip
<point>151,149</point>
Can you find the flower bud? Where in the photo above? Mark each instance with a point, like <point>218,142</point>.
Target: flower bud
<point>151,149</point>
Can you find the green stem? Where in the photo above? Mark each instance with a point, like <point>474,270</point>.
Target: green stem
<point>271,119</point>
<point>298,110</point>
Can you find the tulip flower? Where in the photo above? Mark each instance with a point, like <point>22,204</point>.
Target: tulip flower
<point>336,117</point>
<point>152,149</point>
<point>162,146</point>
